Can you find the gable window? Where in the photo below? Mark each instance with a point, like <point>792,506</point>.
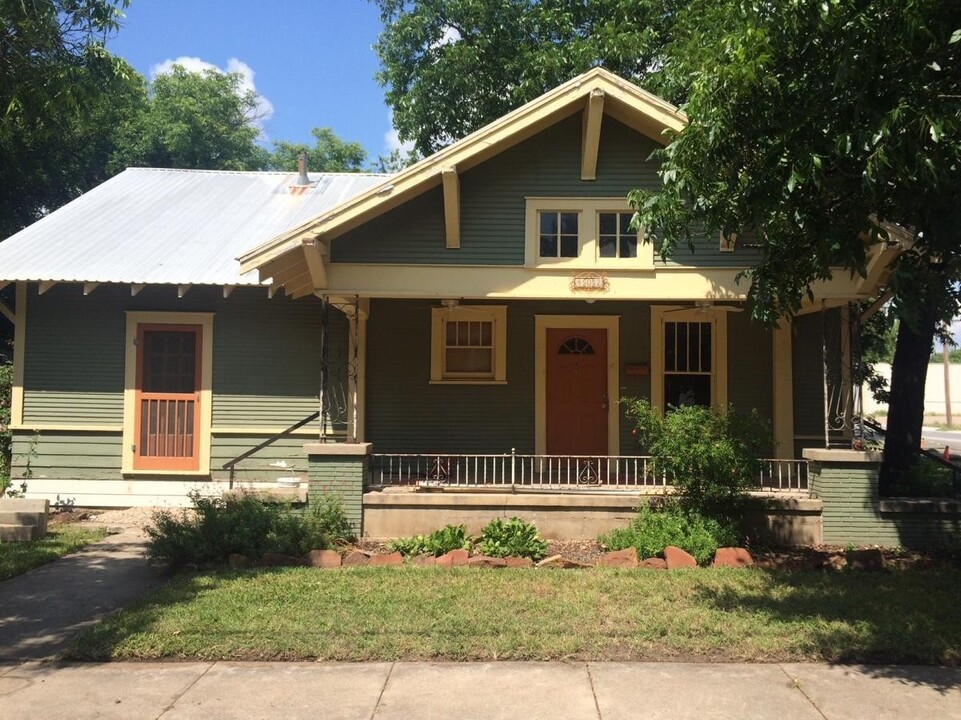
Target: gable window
<point>469,344</point>
<point>584,233</point>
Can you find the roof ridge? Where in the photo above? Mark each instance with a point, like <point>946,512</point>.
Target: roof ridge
<point>254,172</point>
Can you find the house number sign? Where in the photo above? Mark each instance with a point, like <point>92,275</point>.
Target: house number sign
<point>590,282</point>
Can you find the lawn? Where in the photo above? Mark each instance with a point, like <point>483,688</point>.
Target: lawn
<point>470,614</point>
<point>18,557</point>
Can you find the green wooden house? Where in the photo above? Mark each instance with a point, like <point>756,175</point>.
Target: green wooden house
<point>489,302</point>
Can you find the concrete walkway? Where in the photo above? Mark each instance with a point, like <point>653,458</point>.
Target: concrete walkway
<point>389,691</point>
<point>40,611</point>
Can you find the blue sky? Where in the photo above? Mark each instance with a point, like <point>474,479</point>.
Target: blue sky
<point>311,61</point>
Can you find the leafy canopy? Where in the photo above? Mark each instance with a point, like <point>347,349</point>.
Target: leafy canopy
<point>329,153</point>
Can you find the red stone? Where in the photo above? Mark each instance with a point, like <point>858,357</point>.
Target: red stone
<point>238,562</point>
<point>677,558</point>
<point>518,562</point>
<point>272,559</point>
<point>483,561</point>
<point>356,558</point>
<point>653,564</point>
<point>732,557</point>
<point>867,559</point>
<point>424,561</point>
<point>324,558</point>
<point>559,561</point>
<point>391,559</point>
<point>453,558</point>
<point>626,558</point>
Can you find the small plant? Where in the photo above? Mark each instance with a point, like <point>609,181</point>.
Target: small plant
<point>513,537</point>
<point>653,530</point>
<point>439,542</point>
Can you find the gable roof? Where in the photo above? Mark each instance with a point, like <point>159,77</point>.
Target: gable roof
<point>625,102</point>
<point>170,226</point>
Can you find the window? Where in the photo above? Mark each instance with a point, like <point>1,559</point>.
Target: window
<point>469,344</point>
<point>584,233</point>
<point>689,355</point>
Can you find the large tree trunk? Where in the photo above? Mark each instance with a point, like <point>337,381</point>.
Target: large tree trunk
<point>912,353</point>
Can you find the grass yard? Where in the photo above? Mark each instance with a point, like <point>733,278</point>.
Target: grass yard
<point>470,614</point>
<point>18,557</point>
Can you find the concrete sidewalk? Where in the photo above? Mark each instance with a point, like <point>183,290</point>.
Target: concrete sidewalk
<point>388,691</point>
<point>41,610</point>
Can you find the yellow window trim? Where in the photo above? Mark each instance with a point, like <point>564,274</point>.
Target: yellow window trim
<point>680,313</point>
<point>542,323</point>
<point>206,321</point>
<point>588,230</point>
<point>19,350</point>
<point>496,314</point>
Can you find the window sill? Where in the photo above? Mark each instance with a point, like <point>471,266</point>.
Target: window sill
<point>467,382</point>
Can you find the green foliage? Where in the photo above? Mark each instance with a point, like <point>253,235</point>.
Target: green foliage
<point>329,154</point>
<point>395,161</point>
<point>6,382</point>
<point>512,538</point>
<point>925,478</point>
<point>452,66</point>
<point>711,456</point>
<point>216,528</point>
<point>653,530</point>
<point>437,543</point>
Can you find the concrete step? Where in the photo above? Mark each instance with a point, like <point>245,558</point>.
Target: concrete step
<point>18,533</point>
<point>15,517</point>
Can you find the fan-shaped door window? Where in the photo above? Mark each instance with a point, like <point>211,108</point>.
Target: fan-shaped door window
<point>576,346</point>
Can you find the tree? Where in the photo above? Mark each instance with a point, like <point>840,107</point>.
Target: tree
<point>452,66</point>
<point>395,161</point>
<point>823,126</point>
<point>193,120</point>
<point>329,153</point>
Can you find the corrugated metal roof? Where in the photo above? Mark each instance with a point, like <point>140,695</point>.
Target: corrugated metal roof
<point>170,226</point>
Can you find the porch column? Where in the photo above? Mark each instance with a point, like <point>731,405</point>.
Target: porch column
<point>783,375</point>
<point>339,470</point>
<point>357,377</point>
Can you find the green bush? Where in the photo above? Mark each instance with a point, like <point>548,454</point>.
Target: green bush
<point>217,528</point>
<point>439,542</point>
<point>512,538</point>
<point>6,382</point>
<point>711,457</point>
<point>653,530</point>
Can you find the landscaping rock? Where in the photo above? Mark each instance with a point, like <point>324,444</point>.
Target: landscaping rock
<point>356,558</point>
<point>453,558</point>
<point>834,562</point>
<point>392,559</point>
<point>732,557</point>
<point>236,561</point>
<point>272,559</point>
<point>519,562</point>
<point>324,558</point>
<point>626,558</point>
<point>483,561</point>
<point>424,561</point>
<point>868,559</point>
<point>559,561</point>
<point>677,558</point>
<point>653,564</point>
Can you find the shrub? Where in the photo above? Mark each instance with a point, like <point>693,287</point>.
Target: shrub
<point>653,530</point>
<point>439,542</point>
<point>710,456</point>
<point>512,538</point>
<point>217,528</point>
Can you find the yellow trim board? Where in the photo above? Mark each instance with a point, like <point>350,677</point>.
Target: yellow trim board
<point>542,323</point>
<point>63,427</point>
<point>206,321</point>
<point>681,313</point>
<point>19,355</point>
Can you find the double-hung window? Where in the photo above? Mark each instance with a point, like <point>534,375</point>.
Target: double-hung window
<point>469,344</point>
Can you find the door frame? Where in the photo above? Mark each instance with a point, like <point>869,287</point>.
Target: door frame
<point>133,322</point>
<point>542,323</point>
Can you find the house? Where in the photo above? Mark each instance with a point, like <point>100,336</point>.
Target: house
<point>490,301</point>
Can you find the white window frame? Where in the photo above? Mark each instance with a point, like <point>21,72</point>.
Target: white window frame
<point>495,314</point>
<point>588,229</point>
<point>661,314</point>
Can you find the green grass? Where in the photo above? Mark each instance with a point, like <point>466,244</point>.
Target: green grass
<point>18,557</point>
<point>470,614</point>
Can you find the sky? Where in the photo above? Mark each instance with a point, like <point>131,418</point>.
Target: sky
<point>311,61</point>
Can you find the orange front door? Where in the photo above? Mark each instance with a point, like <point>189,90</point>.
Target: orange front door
<point>168,397</point>
<point>577,402</point>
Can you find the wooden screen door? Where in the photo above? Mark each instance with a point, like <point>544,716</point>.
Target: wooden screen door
<point>577,402</point>
<point>168,397</point>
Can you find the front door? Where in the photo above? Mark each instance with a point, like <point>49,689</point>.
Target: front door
<point>577,402</point>
<point>168,397</point>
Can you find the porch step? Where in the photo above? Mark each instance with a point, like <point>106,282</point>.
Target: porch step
<point>18,517</point>
<point>18,533</point>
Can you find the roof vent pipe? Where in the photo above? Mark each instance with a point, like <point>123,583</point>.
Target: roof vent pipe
<point>302,179</point>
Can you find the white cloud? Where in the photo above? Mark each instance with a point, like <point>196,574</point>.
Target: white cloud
<point>264,108</point>
<point>451,35</point>
<point>392,140</point>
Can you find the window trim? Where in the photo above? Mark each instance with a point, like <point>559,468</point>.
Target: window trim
<point>440,316</point>
<point>681,313</point>
<point>133,322</point>
<point>588,227</point>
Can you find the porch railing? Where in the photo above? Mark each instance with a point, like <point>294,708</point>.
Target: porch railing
<point>554,472</point>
